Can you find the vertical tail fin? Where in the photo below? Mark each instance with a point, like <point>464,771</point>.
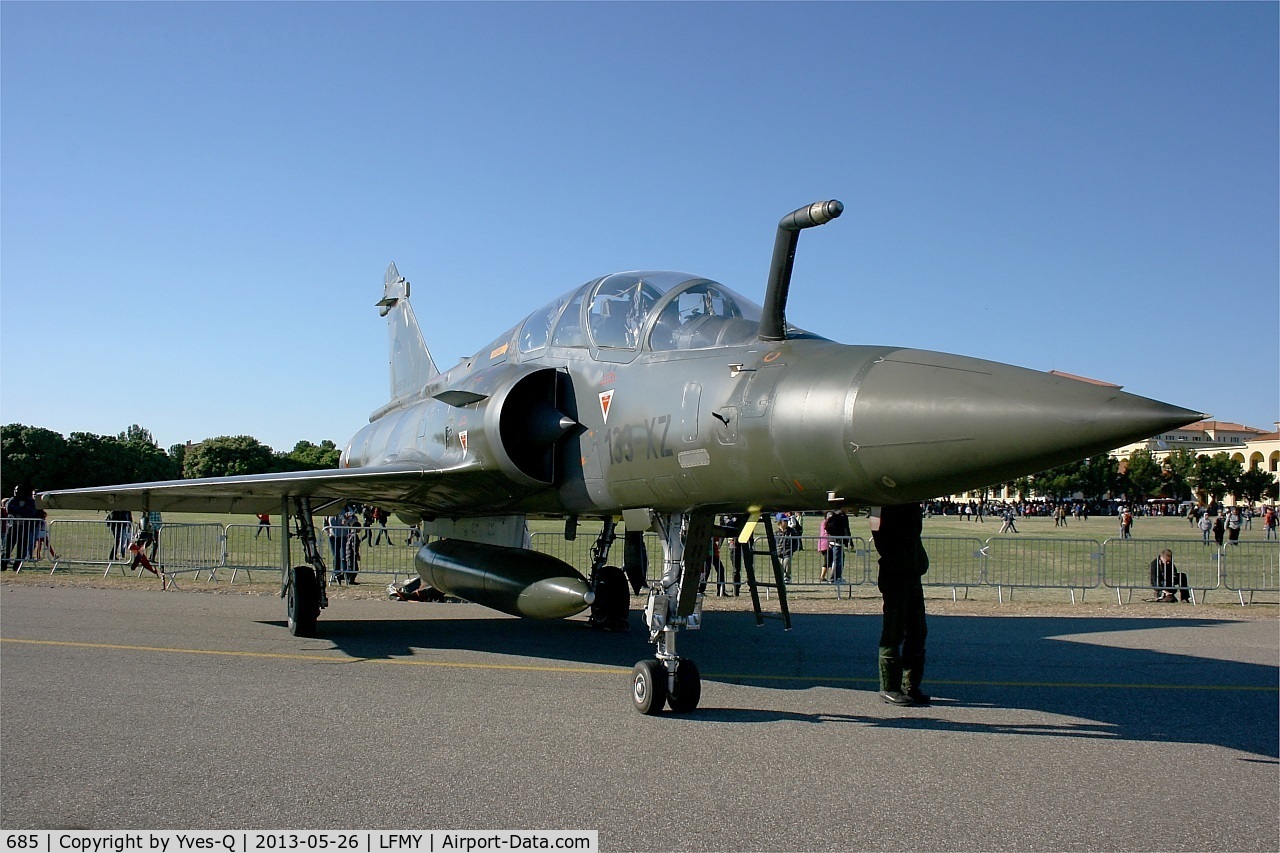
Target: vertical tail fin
<point>411,364</point>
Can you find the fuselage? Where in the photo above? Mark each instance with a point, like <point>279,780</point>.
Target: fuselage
<point>653,390</point>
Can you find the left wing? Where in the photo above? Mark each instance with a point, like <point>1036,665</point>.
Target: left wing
<point>415,488</point>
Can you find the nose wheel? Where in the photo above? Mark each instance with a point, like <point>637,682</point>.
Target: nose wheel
<point>649,686</point>
<point>652,686</point>
<point>687,687</point>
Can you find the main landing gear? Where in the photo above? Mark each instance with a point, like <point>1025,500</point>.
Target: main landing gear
<point>302,587</point>
<point>611,609</point>
<point>674,603</point>
<point>302,601</point>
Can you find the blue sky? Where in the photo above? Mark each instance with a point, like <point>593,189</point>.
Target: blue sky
<point>198,200</point>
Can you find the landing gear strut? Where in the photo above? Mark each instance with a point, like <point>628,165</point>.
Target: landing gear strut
<point>673,604</point>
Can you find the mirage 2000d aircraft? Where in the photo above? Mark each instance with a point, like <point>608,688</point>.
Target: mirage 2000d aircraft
<point>659,399</point>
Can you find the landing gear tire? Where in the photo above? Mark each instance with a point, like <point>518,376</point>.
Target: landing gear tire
<point>302,602</point>
<point>649,686</point>
<point>688,687</point>
<point>612,608</point>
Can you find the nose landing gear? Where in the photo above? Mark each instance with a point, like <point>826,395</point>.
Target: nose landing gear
<point>674,603</point>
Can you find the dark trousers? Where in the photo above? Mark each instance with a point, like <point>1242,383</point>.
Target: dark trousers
<point>20,537</point>
<point>903,631</point>
<point>1167,580</point>
<point>743,555</point>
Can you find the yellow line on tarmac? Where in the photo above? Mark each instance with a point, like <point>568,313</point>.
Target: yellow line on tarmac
<point>328,658</point>
<point>313,658</point>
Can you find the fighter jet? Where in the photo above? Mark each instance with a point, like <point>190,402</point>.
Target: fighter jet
<point>659,400</point>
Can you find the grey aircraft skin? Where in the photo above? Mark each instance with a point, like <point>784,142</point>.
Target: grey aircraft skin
<point>660,399</point>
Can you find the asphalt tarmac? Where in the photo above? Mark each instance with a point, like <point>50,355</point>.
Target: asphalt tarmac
<point>129,709</point>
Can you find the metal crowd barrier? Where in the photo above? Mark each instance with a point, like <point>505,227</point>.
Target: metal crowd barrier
<point>1030,563</point>
<point>71,544</point>
<point>956,562</point>
<point>83,544</point>
<point>1128,564</point>
<point>1251,567</point>
<point>22,536</point>
<point>383,550</point>
<point>252,546</point>
<point>190,548</point>
<point>806,563</point>
<point>577,552</point>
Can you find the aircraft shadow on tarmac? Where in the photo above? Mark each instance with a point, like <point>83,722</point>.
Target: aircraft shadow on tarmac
<point>1019,663</point>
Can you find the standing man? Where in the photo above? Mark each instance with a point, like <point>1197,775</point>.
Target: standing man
<point>785,545</point>
<point>1233,526</point>
<point>20,531</point>
<point>896,531</point>
<point>381,516</point>
<point>741,553</point>
<point>351,548</point>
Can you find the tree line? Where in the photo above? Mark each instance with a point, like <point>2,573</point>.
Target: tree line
<point>47,460</point>
<point>1183,475</point>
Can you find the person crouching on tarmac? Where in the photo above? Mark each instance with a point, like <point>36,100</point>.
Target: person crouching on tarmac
<point>896,532</point>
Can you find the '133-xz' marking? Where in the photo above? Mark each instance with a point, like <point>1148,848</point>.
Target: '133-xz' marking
<point>621,446</point>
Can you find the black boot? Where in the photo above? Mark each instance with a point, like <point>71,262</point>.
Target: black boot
<point>912,675</point>
<point>891,677</point>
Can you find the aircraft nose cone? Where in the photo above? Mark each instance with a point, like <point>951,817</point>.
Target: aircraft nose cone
<point>927,424</point>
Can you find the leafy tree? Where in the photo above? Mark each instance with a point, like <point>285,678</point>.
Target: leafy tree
<point>1143,477</point>
<point>137,435</point>
<point>1180,470</point>
<point>1099,477</point>
<point>1254,485</point>
<point>1023,487</point>
<point>1060,482</point>
<point>226,456</point>
<point>144,458</point>
<point>1215,475</point>
<point>308,457</point>
<point>101,460</point>
<point>48,461</point>
<point>36,456</point>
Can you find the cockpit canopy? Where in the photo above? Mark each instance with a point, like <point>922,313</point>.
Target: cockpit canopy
<point>624,311</point>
